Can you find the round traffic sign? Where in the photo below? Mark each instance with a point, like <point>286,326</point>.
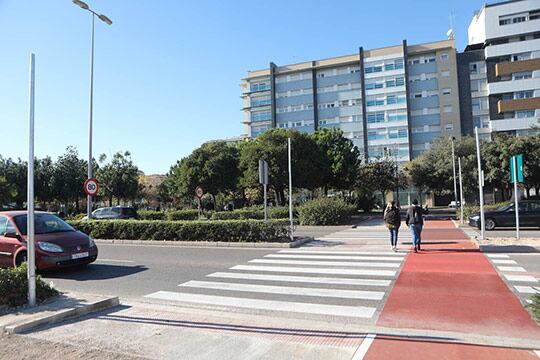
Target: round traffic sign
<point>91,187</point>
<point>199,192</point>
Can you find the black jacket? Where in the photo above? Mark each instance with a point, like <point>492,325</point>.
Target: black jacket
<point>393,217</point>
<point>415,215</point>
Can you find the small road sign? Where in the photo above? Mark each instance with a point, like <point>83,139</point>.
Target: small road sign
<point>91,187</point>
<point>199,192</point>
<point>519,161</point>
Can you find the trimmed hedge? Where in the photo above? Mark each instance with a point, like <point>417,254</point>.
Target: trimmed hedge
<point>535,306</point>
<point>168,215</point>
<point>14,287</point>
<point>227,231</point>
<point>325,211</point>
<point>276,212</point>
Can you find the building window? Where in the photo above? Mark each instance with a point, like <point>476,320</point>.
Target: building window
<point>525,114</point>
<point>473,69</point>
<point>446,91</point>
<point>445,73</point>
<point>523,94</point>
<point>259,86</point>
<point>444,56</point>
<point>523,75</point>
<point>449,127</point>
<point>447,108</point>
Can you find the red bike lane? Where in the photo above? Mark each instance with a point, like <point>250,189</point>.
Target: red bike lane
<point>451,286</point>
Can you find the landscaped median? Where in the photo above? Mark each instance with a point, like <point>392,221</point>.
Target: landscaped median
<point>14,287</point>
<point>193,230</point>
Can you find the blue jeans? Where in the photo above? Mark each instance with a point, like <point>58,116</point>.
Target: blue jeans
<point>393,236</point>
<point>416,231</point>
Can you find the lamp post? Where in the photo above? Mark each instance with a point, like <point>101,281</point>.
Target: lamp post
<point>454,172</point>
<point>107,21</point>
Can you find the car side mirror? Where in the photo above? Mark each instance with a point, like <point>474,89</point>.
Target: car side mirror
<point>12,235</point>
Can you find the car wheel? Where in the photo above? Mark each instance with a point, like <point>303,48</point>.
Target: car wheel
<point>20,259</point>
<point>490,224</point>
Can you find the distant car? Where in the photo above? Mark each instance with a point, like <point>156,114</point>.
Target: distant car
<point>57,243</point>
<point>453,204</point>
<point>116,212</point>
<point>529,216</point>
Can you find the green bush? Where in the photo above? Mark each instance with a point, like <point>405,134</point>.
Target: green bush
<point>274,212</point>
<point>228,231</point>
<point>151,215</point>
<point>190,214</point>
<point>535,306</point>
<point>469,210</point>
<point>325,211</point>
<point>14,287</point>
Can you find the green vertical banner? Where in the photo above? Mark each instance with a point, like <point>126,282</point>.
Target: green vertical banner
<point>519,161</point>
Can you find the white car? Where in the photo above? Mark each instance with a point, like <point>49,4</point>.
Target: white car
<point>452,204</point>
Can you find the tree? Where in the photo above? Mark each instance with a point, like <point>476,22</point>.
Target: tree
<point>68,177</point>
<point>379,176</point>
<point>6,192</point>
<point>15,174</point>
<point>342,156</point>
<point>119,178</point>
<point>309,163</point>
<point>43,179</point>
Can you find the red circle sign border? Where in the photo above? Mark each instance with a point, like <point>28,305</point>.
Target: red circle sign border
<point>86,189</point>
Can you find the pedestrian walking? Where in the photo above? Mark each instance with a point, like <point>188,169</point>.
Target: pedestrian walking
<point>392,220</point>
<point>415,222</point>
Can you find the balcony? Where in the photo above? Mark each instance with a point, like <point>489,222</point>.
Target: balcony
<point>518,104</point>
<point>509,68</point>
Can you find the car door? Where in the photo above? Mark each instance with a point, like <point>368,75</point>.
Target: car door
<point>510,215</point>
<point>532,217</point>
<point>8,245</point>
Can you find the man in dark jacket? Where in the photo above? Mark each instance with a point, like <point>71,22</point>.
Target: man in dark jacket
<point>415,222</point>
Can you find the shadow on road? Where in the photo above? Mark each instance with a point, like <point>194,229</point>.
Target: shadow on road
<point>95,272</point>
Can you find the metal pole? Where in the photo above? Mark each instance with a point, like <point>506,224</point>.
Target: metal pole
<point>480,186</point>
<point>30,244</point>
<point>454,172</point>
<point>265,203</point>
<point>516,200</point>
<point>89,198</point>
<point>460,191</point>
<point>290,187</point>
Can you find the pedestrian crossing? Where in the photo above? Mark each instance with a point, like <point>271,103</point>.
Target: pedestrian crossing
<point>313,283</point>
<point>367,234</point>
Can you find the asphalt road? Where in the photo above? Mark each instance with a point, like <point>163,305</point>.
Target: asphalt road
<point>511,232</point>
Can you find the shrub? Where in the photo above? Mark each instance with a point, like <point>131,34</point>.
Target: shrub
<point>14,287</point>
<point>228,231</point>
<point>275,212</point>
<point>535,306</point>
<point>151,215</point>
<point>190,214</point>
<point>325,211</point>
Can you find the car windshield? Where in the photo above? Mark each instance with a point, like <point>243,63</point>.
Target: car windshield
<point>506,207</point>
<point>44,224</point>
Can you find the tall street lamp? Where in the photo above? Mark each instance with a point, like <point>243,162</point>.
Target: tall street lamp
<point>454,172</point>
<point>107,21</point>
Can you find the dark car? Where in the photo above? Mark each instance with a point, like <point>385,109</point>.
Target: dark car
<point>57,243</point>
<point>116,212</point>
<point>529,216</point>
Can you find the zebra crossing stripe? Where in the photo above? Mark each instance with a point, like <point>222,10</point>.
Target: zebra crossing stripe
<point>336,252</point>
<point>511,268</point>
<point>290,269</point>
<point>521,278</point>
<point>334,257</point>
<point>288,290</point>
<point>272,305</point>
<point>526,289</point>
<point>302,279</point>
<point>499,256</point>
<point>326,263</point>
<point>507,262</point>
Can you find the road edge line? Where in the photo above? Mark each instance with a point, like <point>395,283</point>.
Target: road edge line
<point>362,350</point>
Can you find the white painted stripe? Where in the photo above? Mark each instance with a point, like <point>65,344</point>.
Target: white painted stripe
<point>341,252</point>
<point>500,256</point>
<point>537,352</point>
<point>335,257</point>
<point>307,308</point>
<point>522,278</point>
<point>288,290</point>
<point>511,268</point>
<point>364,347</point>
<point>508,262</point>
<point>304,279</point>
<point>290,269</point>
<point>526,289</point>
<point>326,263</point>
<point>114,260</point>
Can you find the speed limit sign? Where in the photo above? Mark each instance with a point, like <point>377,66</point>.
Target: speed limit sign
<point>91,187</point>
<point>199,192</point>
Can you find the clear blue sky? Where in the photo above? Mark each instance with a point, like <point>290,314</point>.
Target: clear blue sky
<point>167,72</point>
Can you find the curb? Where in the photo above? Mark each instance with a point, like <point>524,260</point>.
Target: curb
<point>220,244</point>
<point>61,315</point>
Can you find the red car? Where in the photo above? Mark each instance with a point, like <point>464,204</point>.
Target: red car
<point>57,243</point>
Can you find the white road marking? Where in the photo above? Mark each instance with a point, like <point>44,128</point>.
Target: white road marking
<point>521,278</point>
<point>304,279</point>
<point>307,308</point>
<point>326,263</point>
<point>508,262</point>
<point>537,352</point>
<point>364,347</point>
<point>288,290</point>
<point>511,268</point>
<point>526,289</point>
<point>114,260</point>
<point>341,252</point>
<point>290,269</point>
<point>500,256</point>
<point>335,257</point>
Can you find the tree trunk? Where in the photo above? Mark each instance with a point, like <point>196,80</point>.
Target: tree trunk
<point>110,200</point>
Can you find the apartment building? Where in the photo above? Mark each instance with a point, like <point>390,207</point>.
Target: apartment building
<point>393,101</point>
<point>499,71</point>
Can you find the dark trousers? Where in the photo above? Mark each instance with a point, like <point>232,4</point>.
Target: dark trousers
<point>393,236</point>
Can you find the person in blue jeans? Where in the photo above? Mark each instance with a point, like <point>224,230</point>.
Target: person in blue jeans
<point>392,220</point>
<point>415,222</point>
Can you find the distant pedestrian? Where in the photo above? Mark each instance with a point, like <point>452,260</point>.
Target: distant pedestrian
<point>392,220</point>
<point>415,222</point>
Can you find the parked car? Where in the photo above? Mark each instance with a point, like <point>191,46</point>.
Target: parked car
<point>57,243</point>
<point>116,212</point>
<point>453,204</point>
<point>529,216</point>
